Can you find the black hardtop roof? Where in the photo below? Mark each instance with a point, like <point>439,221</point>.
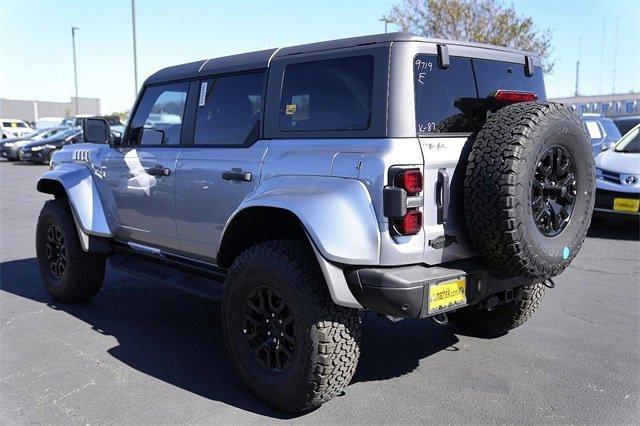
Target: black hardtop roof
<point>260,59</point>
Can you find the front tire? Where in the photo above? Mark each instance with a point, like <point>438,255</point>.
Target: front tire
<point>497,322</point>
<point>69,273</point>
<point>291,345</point>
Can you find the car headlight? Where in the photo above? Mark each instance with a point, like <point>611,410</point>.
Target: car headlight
<point>599,173</point>
<point>37,148</point>
<point>10,144</point>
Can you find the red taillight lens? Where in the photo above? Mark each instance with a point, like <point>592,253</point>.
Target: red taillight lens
<point>410,180</point>
<point>410,224</point>
<point>515,96</point>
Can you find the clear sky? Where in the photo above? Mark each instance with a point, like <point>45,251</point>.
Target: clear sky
<point>36,56</point>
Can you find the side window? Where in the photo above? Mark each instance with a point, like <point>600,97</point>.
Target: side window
<point>327,95</point>
<point>158,118</point>
<point>229,110</point>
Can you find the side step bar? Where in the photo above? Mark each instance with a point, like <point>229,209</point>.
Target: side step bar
<point>193,276</point>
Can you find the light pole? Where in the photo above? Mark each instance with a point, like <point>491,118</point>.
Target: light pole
<point>386,21</point>
<point>135,54</point>
<point>75,68</point>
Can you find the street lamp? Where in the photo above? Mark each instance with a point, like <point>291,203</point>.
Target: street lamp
<point>75,68</point>
<point>135,54</point>
<point>386,21</point>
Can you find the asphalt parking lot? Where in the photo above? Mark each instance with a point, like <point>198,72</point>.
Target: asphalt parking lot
<point>141,352</point>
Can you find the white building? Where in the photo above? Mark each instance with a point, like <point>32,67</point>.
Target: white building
<point>32,110</point>
<point>608,105</point>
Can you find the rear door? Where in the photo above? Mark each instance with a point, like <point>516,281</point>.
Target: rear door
<point>223,164</point>
<point>444,131</point>
<point>140,174</point>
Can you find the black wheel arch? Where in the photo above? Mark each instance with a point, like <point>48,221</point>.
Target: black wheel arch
<point>255,225</point>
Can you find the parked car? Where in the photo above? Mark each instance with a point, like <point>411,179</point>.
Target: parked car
<point>40,151</point>
<point>308,183</point>
<point>602,130</point>
<point>625,124</point>
<point>11,147</point>
<point>618,179</point>
<point>31,135</point>
<point>11,128</point>
<point>48,122</point>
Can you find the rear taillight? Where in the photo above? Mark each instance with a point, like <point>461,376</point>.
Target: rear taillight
<point>410,180</point>
<point>410,223</point>
<point>403,200</point>
<point>515,96</point>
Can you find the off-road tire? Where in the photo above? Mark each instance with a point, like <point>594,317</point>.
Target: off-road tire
<point>498,188</point>
<point>497,322</point>
<point>327,335</point>
<point>84,273</point>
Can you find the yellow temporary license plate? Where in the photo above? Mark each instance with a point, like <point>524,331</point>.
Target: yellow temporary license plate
<point>447,295</point>
<point>626,205</point>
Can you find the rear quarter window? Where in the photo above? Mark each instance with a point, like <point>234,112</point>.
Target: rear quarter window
<point>327,95</point>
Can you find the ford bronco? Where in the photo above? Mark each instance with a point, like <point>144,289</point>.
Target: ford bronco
<point>416,178</point>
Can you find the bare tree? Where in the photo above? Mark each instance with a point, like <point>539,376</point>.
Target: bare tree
<point>480,21</point>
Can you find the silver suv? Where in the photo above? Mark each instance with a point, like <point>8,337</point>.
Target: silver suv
<point>412,177</point>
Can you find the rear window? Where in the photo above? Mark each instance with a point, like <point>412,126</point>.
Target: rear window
<point>442,95</point>
<point>327,95</point>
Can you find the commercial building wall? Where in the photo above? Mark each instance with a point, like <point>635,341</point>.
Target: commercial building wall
<point>32,110</point>
<point>607,105</point>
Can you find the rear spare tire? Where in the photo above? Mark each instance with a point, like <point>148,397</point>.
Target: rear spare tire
<point>529,189</point>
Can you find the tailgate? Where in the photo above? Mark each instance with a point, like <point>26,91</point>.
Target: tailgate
<point>444,226</point>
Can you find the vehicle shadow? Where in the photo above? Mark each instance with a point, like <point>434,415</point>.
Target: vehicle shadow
<point>617,229</point>
<point>176,337</point>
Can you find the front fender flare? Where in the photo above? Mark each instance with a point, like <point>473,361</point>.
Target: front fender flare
<point>337,214</point>
<point>84,199</point>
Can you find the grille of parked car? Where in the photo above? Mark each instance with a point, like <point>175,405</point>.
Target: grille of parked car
<point>611,176</point>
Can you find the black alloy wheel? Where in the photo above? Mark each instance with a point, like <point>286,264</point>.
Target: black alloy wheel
<point>56,252</point>
<point>269,328</point>
<point>553,191</point>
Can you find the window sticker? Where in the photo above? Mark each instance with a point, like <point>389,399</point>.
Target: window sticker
<point>203,93</point>
<point>290,109</point>
<point>594,129</point>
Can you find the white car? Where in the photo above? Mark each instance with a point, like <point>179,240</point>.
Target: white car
<point>11,128</point>
<point>48,122</point>
<point>618,178</point>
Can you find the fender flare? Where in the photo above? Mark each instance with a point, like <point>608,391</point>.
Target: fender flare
<point>337,214</point>
<point>78,185</point>
<point>338,217</point>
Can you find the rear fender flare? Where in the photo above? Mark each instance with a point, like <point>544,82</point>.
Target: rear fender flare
<point>337,214</point>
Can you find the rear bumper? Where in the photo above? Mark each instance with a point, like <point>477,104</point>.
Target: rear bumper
<point>402,291</point>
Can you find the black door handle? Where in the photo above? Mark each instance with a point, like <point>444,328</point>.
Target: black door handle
<point>158,170</point>
<point>442,195</point>
<point>236,175</point>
